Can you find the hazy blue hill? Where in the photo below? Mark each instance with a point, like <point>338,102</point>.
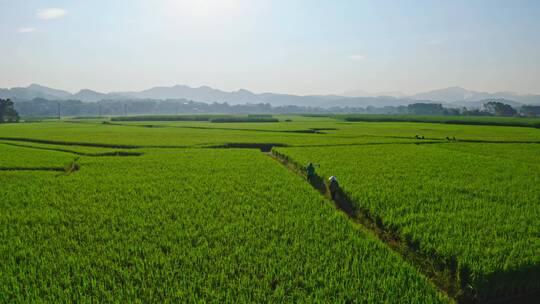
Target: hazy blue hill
<point>445,95</point>
<point>34,91</point>
<point>454,96</point>
<point>49,91</point>
<point>458,94</point>
<point>89,95</point>
<point>448,95</point>
<point>208,94</point>
<point>362,93</point>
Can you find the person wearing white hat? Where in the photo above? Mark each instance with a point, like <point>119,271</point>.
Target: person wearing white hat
<point>333,186</point>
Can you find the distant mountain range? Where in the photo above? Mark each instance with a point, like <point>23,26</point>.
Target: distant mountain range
<point>454,96</point>
<point>460,95</point>
<point>362,93</point>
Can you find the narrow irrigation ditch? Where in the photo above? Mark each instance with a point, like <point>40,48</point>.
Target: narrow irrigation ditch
<point>303,131</point>
<point>112,153</point>
<point>70,168</point>
<point>57,169</point>
<point>264,147</point>
<point>66,143</point>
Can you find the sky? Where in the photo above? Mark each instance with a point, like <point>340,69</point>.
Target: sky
<point>283,46</point>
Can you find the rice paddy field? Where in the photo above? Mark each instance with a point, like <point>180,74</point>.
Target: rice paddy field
<point>194,211</point>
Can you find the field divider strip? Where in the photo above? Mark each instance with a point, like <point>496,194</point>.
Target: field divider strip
<point>302,131</point>
<point>65,143</point>
<point>55,169</point>
<point>443,121</point>
<point>445,274</point>
<point>112,153</point>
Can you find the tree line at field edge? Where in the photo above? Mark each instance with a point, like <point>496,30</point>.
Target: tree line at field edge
<point>7,111</point>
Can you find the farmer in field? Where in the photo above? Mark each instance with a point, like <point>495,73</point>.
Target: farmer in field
<point>333,186</point>
<point>310,171</point>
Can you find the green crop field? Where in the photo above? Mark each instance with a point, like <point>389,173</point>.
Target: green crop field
<point>466,120</point>
<point>479,210</point>
<point>194,211</point>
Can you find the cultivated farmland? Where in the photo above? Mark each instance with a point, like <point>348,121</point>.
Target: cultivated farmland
<point>195,211</point>
<point>476,213</point>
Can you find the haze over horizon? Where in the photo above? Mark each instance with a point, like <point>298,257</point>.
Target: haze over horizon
<point>350,93</point>
<point>301,47</point>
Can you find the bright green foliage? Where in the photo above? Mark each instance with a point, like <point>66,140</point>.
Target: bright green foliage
<point>186,223</point>
<point>22,157</point>
<point>524,153</point>
<point>71,149</point>
<point>481,209</point>
<point>463,120</point>
<point>198,134</point>
<point>163,118</point>
<point>188,226</point>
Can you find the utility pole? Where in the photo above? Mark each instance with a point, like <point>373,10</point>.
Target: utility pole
<point>99,109</point>
<point>59,116</point>
<point>125,109</point>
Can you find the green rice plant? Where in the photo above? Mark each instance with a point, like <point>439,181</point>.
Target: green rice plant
<point>163,118</point>
<point>460,120</point>
<point>189,225</point>
<point>71,149</point>
<point>476,213</point>
<point>197,134</point>
<point>181,221</point>
<point>243,119</point>
<point>23,157</point>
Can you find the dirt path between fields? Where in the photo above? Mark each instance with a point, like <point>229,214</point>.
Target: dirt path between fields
<point>443,273</point>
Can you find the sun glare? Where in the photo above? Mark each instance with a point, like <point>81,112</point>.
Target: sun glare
<point>203,10</point>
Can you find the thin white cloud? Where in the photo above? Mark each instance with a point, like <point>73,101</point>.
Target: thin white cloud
<point>51,13</point>
<point>357,57</point>
<point>26,29</point>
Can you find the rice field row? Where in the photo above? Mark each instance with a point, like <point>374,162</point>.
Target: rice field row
<point>191,225</point>
<point>200,134</point>
<point>182,222</point>
<point>477,209</point>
